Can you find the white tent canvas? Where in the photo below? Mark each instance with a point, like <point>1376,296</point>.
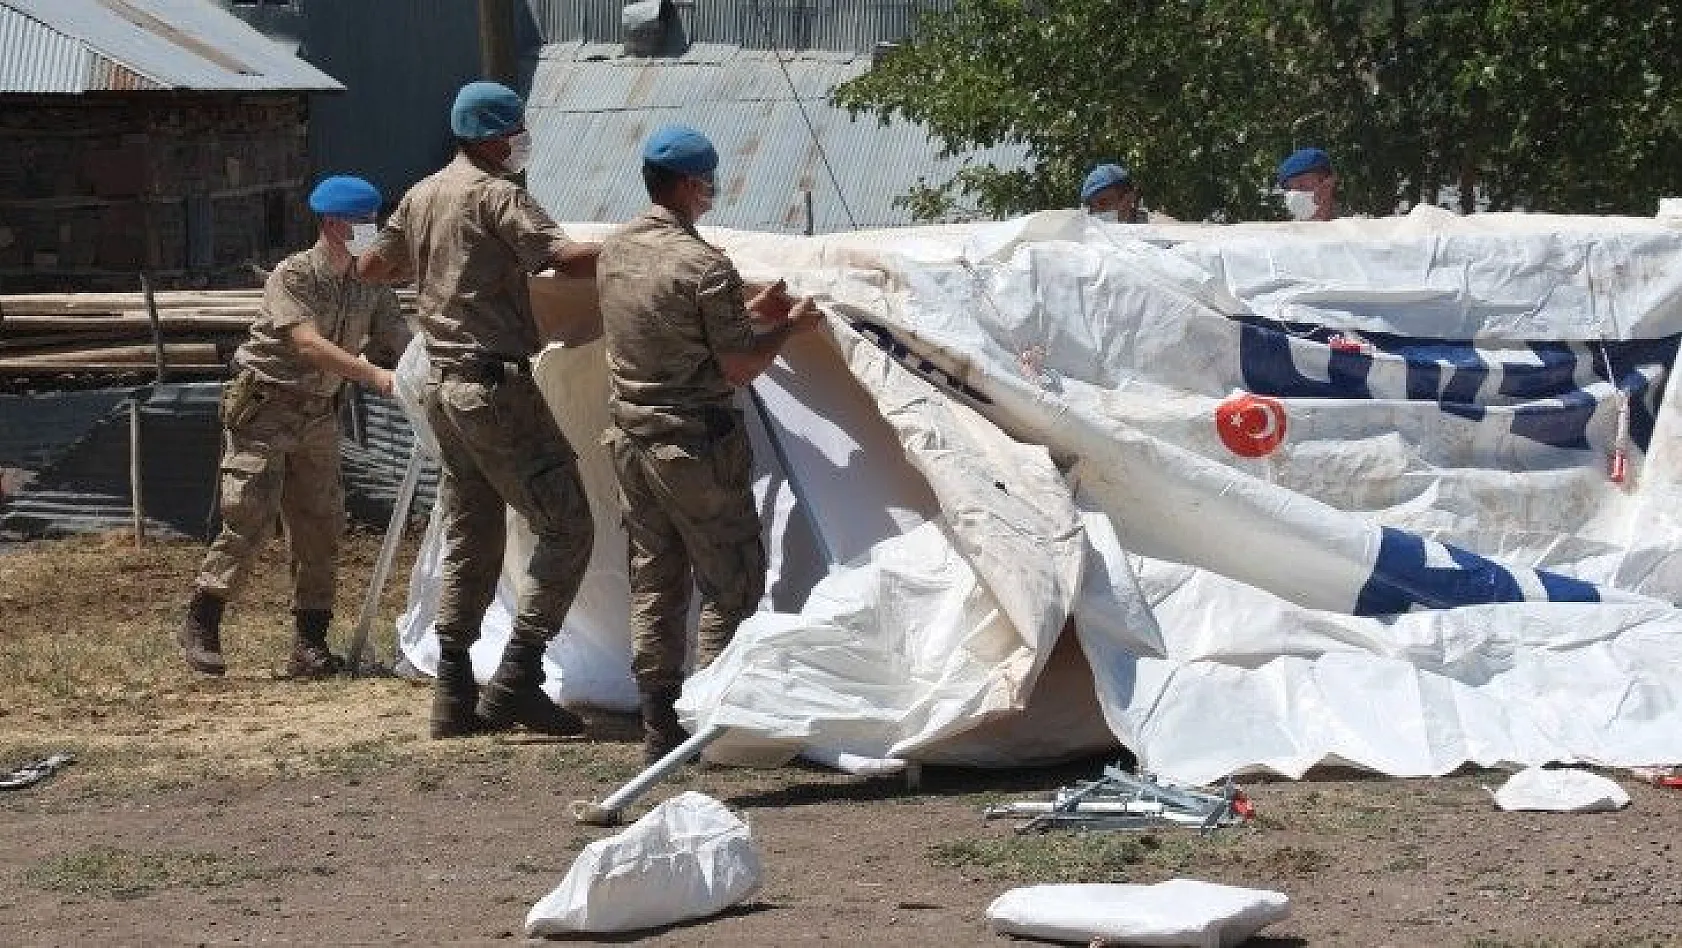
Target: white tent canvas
<point>1394,493</point>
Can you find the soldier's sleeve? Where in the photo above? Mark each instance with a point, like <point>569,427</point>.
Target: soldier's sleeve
<point>526,227</point>
<point>388,333</point>
<point>724,316</point>
<point>287,300</point>
<point>391,244</point>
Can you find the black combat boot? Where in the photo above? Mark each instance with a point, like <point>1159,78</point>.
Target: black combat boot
<point>453,696</point>
<point>200,635</point>
<point>514,694</point>
<point>310,657</point>
<point>661,732</point>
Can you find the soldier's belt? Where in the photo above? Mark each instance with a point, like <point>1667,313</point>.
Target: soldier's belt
<point>489,370</point>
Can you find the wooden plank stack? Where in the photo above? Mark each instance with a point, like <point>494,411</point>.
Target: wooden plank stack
<point>92,334</point>
<point>111,333</point>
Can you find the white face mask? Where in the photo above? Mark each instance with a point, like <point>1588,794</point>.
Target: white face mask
<point>519,152</point>
<point>1112,215</point>
<point>361,237</point>
<point>1301,205</point>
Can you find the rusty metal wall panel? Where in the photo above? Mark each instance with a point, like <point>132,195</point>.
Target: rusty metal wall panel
<point>107,76</point>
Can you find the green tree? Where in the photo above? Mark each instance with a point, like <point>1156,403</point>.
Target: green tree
<point>1545,104</point>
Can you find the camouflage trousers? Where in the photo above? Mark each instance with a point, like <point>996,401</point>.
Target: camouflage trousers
<point>499,447</point>
<point>690,519</point>
<point>280,455</point>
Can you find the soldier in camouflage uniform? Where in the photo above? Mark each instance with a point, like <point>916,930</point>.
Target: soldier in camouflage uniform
<point>679,343</point>
<point>469,236</point>
<point>281,430</point>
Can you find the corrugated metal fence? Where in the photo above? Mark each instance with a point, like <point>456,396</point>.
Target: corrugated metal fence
<point>77,444</point>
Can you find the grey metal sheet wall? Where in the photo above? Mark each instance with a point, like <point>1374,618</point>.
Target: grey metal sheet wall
<point>37,60</point>
<point>401,62</point>
<point>838,25</point>
<point>589,114</point>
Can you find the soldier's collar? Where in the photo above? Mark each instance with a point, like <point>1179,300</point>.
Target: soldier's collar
<point>322,261</point>
<point>661,212</point>
<point>466,162</point>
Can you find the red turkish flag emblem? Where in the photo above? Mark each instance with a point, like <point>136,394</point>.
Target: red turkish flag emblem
<point>1251,426</point>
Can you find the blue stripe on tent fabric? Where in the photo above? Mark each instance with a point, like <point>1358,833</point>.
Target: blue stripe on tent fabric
<point>1403,580</point>
<point>1540,381</point>
<point>1265,358</point>
<point>1562,422</point>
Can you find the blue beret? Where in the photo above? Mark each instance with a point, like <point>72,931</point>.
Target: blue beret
<point>345,196</point>
<point>1302,161</point>
<point>486,110</point>
<point>682,149</point>
<point>1101,177</point>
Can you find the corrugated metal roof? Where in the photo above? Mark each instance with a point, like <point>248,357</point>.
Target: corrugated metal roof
<point>38,60</point>
<point>589,113</point>
<point>840,25</point>
<point>76,46</point>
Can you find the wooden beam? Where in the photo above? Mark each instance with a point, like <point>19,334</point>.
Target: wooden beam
<point>135,357</point>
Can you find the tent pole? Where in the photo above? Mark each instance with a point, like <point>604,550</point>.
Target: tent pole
<point>611,811</point>
<point>388,554</point>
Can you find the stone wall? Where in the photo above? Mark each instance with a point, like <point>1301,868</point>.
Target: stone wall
<point>194,188</point>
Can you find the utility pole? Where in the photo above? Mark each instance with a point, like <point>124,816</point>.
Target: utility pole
<point>496,41</point>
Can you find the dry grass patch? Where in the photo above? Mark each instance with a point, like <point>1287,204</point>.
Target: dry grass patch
<point>114,873</point>
<point>88,664</point>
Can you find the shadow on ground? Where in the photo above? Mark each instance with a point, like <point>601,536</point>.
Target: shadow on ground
<point>633,937</point>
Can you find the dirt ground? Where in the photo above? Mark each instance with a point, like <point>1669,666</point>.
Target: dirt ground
<point>258,811</point>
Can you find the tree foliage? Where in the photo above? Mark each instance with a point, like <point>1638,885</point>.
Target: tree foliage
<point>1560,105</point>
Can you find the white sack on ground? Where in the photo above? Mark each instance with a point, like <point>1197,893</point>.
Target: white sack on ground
<point>1173,913</point>
<point>1560,791</point>
<point>1439,527</point>
<point>689,857</point>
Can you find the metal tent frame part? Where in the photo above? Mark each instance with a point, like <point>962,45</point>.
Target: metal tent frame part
<point>1119,800</point>
<point>31,774</point>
